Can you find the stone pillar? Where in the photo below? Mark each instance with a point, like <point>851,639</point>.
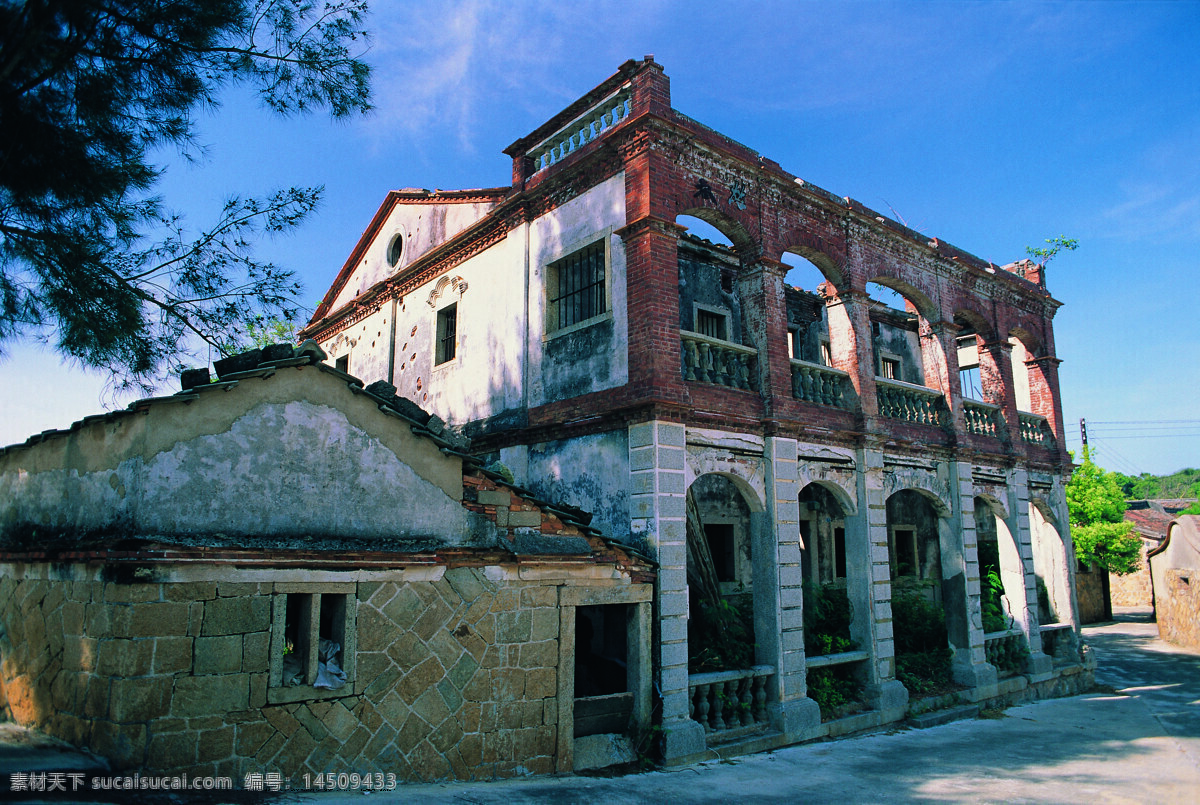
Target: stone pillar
<point>1038,666</point>
<point>792,712</point>
<point>658,517</point>
<point>961,588</point>
<point>850,344</point>
<point>869,585</point>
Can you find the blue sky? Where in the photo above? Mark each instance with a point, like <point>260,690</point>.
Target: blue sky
<point>990,125</point>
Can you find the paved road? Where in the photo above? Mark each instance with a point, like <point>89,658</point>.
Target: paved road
<point>1138,744</point>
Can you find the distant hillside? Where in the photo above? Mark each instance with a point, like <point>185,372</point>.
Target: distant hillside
<point>1182,484</point>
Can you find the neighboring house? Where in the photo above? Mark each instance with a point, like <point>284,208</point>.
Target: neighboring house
<point>571,327</point>
<point>283,572</point>
<point>1175,568</point>
<point>1150,520</point>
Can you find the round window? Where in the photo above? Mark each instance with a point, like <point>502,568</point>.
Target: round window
<point>395,250</point>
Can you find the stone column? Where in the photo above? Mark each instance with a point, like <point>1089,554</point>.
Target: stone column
<point>961,588</point>
<point>793,713</point>
<point>765,317</point>
<point>869,585</point>
<point>1044,397</point>
<point>1038,666</point>
<point>658,517</point>
<point>939,356</point>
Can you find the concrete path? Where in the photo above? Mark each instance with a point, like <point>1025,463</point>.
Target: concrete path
<point>1137,744</point>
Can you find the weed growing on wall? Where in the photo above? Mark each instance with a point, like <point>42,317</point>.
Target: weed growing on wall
<point>922,644</point>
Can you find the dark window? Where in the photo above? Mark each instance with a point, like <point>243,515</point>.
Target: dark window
<point>711,324</point>
<point>720,545</point>
<point>342,364</point>
<point>577,287</point>
<point>839,553</point>
<point>395,250</point>
<point>889,368</point>
<point>447,333</point>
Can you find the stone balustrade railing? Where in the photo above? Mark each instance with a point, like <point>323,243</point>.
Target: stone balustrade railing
<point>1035,429</point>
<point>726,700</point>
<point>581,131</point>
<point>1005,650</point>
<point>910,403</point>
<point>710,360</point>
<point>816,383</point>
<point>982,419</point>
<point>1056,642</point>
<point>841,658</point>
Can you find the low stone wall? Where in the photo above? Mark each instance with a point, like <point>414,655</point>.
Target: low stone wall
<point>1089,589</point>
<point>1178,611</point>
<point>454,677</point>
<point>1133,589</point>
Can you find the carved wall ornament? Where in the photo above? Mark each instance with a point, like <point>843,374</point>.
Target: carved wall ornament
<point>455,284</point>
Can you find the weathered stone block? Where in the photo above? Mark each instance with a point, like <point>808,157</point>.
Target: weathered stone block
<point>534,597</point>
<point>205,695</point>
<point>131,593</point>
<point>513,627</point>
<point>174,750</point>
<point>123,746</point>
<point>431,707</point>
<point>412,733</point>
<point>225,616</point>
<point>218,655</point>
<point>215,744</point>
<point>190,591</point>
<point>139,699</point>
<point>433,619</point>
<point>539,655</point>
<point>508,684</point>
<point>467,583</point>
<point>256,652</point>
<point>524,519</point>
<point>281,720</point>
<point>446,735</point>
<point>311,723</point>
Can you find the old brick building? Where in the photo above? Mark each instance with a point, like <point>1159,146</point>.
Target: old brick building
<point>574,330</point>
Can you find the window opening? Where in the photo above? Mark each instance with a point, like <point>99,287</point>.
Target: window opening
<point>395,250</point>
<point>447,333</point>
<point>579,294</point>
<point>839,552</point>
<point>711,324</point>
<point>721,546</point>
<point>314,640</point>
<point>826,354</point>
<point>904,552</point>
<point>889,368</point>
<point>968,380</point>
<point>342,364</point>
<point>603,700</point>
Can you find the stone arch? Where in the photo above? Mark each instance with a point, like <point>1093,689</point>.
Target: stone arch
<point>822,261</point>
<point>922,304</point>
<point>724,510</point>
<point>1051,564</point>
<point>1000,554</point>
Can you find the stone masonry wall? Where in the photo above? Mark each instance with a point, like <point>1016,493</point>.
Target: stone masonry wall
<point>1178,611</point>
<point>456,676</point>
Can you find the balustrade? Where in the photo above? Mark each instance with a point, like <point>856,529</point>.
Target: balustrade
<point>1006,650</point>
<point>709,360</point>
<point>582,130</point>
<point>981,418</point>
<point>815,383</point>
<point>910,403</point>
<point>1035,429</point>
<point>726,700</point>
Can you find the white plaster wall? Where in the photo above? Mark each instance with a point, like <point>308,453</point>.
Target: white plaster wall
<point>423,226</point>
<point>583,220</point>
<point>252,460</point>
<point>365,344</point>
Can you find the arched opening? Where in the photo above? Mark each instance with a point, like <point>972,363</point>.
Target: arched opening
<point>836,683</point>
<point>720,576</point>
<point>805,288</point>
<point>717,347</point>
<point>895,334</point>
<point>1002,589</point>
<point>919,622</point>
<point>975,381</point>
<point>1052,584</point>
<point>1023,348</point>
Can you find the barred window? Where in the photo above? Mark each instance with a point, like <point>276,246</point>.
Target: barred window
<point>447,333</point>
<point>712,324</point>
<point>576,287</point>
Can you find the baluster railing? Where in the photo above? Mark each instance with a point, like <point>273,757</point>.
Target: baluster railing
<point>910,403</point>
<point>1035,429</point>
<point>982,419</point>
<point>581,131</point>
<point>815,383</point>
<point>1005,650</point>
<point>710,360</point>
<point>727,700</point>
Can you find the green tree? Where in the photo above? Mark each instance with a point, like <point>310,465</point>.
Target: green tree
<point>1098,528</point>
<point>90,259</point>
<point>1044,254</point>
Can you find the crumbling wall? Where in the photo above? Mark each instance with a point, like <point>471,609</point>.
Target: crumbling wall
<point>1178,610</point>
